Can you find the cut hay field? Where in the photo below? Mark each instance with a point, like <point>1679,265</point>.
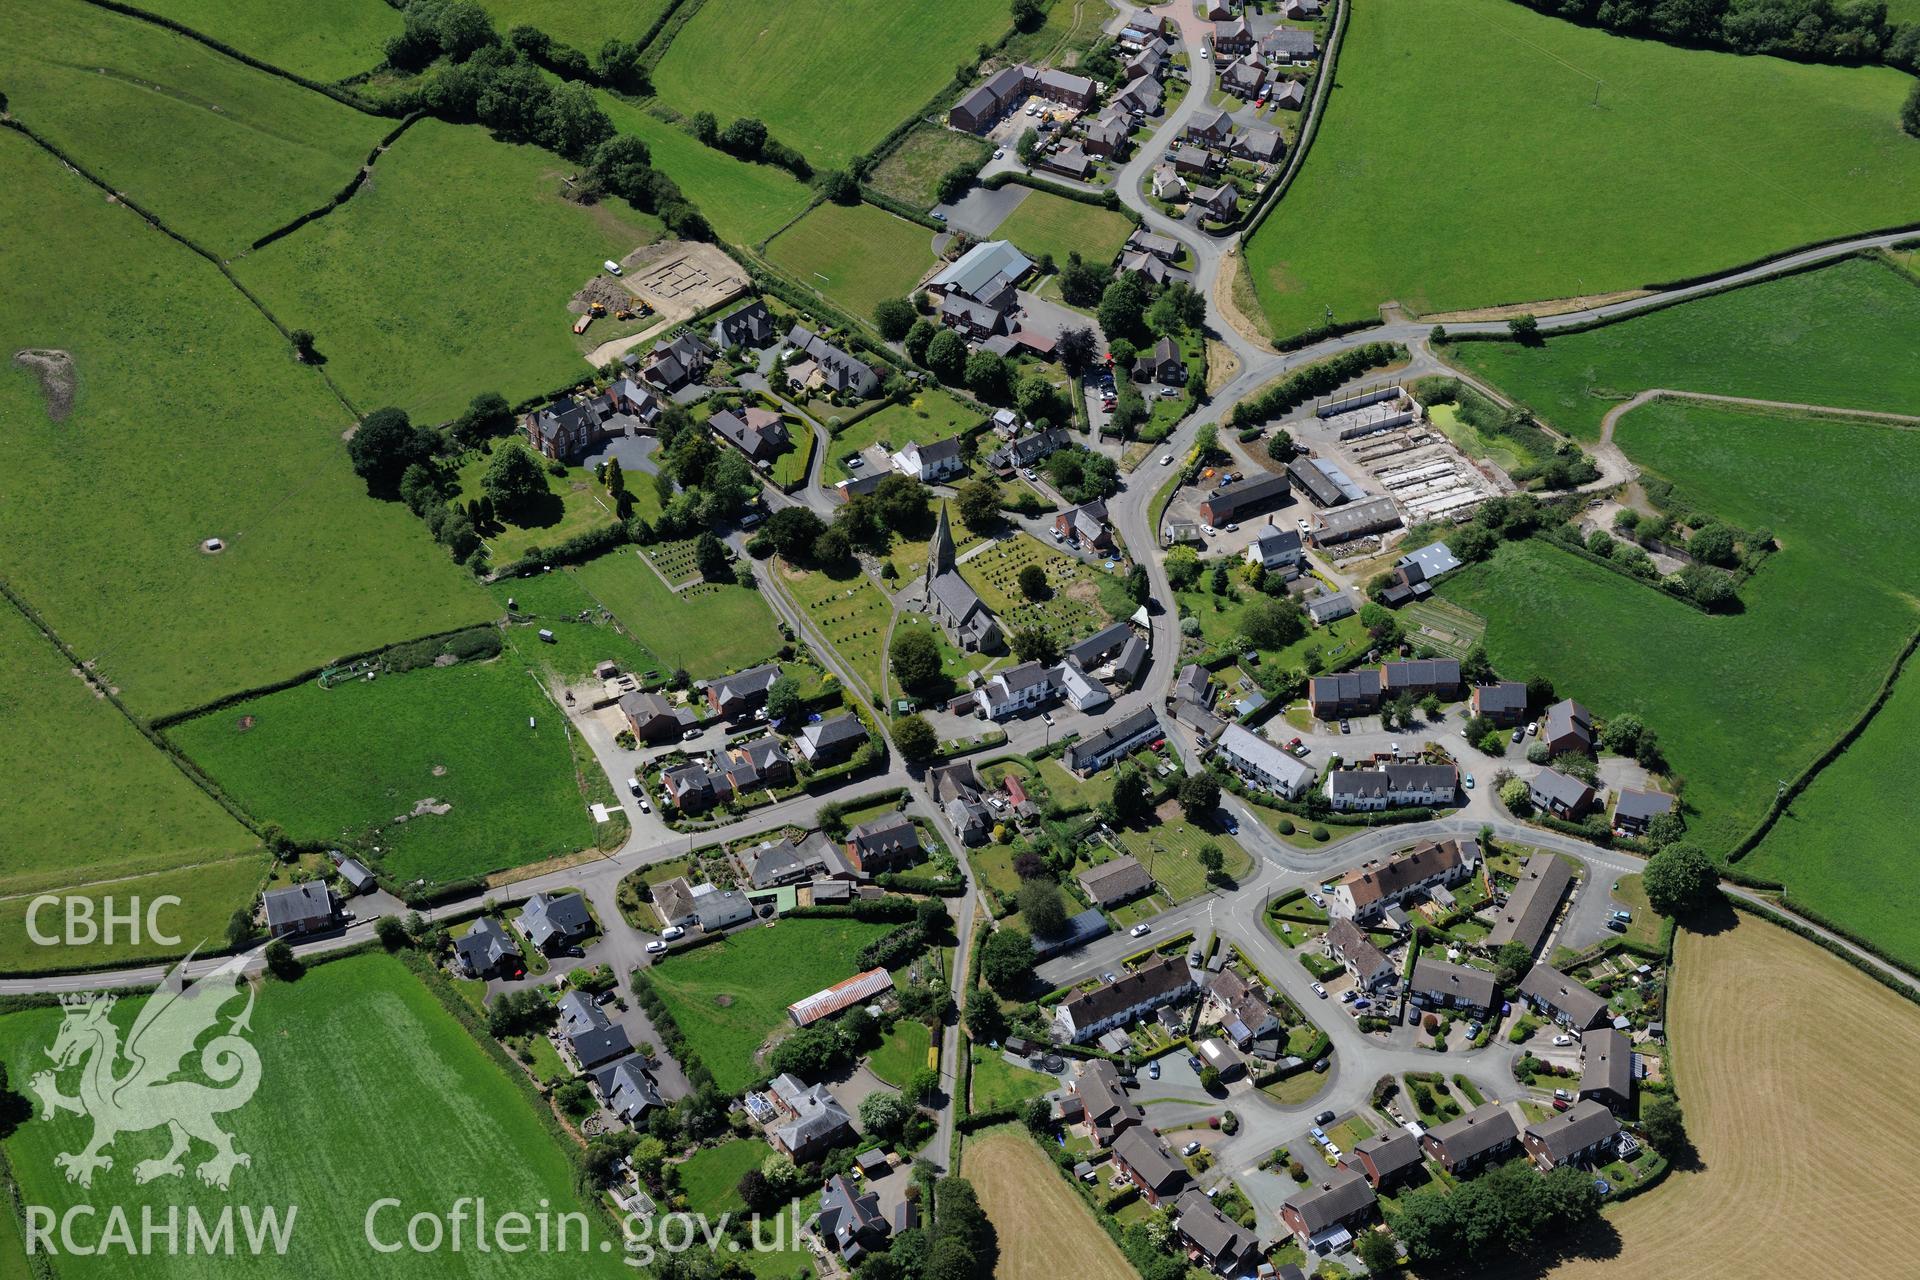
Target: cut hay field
<point>856,255</point>
<point>329,41</point>
<point>183,390</point>
<point>1739,701</point>
<point>221,152</point>
<point>396,1063</point>
<point>209,894</point>
<point>912,170</point>
<point>87,796</point>
<point>746,203</point>
<point>829,77</point>
<point>584,24</point>
<point>1846,336</point>
<point>729,997</point>
<point>441,735</point>
<point>448,274</point>
<point>1044,223</point>
<point>1782,1055</point>
<point>1687,163</point>
<point>708,629</point>
<point>1045,1230</point>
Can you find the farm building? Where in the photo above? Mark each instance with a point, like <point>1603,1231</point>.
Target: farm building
<point>1244,498</point>
<point>840,997</point>
<point>1354,521</point>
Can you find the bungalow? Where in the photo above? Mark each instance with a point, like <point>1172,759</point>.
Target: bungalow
<point>650,717</point>
<point>1397,786</point>
<point>1083,1016</point>
<point>811,1122</point>
<point>1192,160</point>
<point>487,950</point>
<point>931,462</point>
<point>1245,78</point>
<point>1421,677</point>
<point>1112,883</point>
<point>1121,738</point>
<point>783,862</point>
<point>1017,689</point>
<point>1103,1100</point>
<point>1385,1158</point>
<point>1325,607</point>
<point>1300,10</point>
<point>740,694</point>
<point>1324,1214</point>
<point>1165,248</point>
<point>1231,38</point>
<point>1568,728</point>
<point>1347,943</point>
<point>1221,203</point>
<point>1263,764</point>
<point>884,844</point>
<point>748,326</point>
<point>1160,363</point>
<point>299,909</point>
<point>1530,908</point>
<point>1262,146</point>
<point>1469,1142</point>
<point>555,921</point>
<point>1351,693</point>
<point>1022,342</point>
<point>1144,1160</point>
<point>1637,808</point>
<point>828,368</point>
<point>1560,795</point>
<point>1583,1135</point>
<point>827,742</point>
<point>1606,1072</point>
<point>1226,1247</point>
<point>1452,986</point>
<point>1290,44</point>
<point>850,1221</point>
<point>1561,998</point>
<point>1504,702</point>
<point>759,433</point>
<point>676,363</point>
<point>1133,262</point>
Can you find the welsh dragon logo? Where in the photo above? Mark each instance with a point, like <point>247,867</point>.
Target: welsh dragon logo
<point>137,1087</point>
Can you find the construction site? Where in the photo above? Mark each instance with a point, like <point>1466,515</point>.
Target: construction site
<point>1379,434</point>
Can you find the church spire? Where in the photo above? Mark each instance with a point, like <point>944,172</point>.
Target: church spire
<point>940,550</point>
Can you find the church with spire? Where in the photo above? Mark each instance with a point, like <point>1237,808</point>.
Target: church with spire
<point>954,604</point>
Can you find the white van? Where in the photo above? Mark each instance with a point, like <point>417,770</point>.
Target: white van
<point>613,268</point>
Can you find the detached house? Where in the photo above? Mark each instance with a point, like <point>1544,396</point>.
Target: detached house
<point>1568,728</point>
<point>299,909</point>
<point>820,366</point>
<point>1160,363</point>
<point>651,718</point>
<point>832,740</point>
<point>1226,1247</point>
<point>1560,794</point>
<point>1231,38</point>
<point>1636,808</point>
<point>1103,1101</point>
<point>885,844</point>
<point>759,433</point>
<point>554,922</point>
<point>810,1121</point>
<point>488,951</point>
<point>1606,1072</point>
<point>931,462</point>
<point>1015,690</point>
<point>1504,702</point>
<point>677,363</point>
<point>1290,44</point>
<point>1221,203</point>
<point>749,326</point>
<point>1112,883</point>
<point>1145,1161</point>
<point>740,694</point>
<point>1245,78</point>
<point>1210,129</point>
<point>1277,550</point>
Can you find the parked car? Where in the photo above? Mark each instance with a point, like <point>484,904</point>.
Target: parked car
<point>1233,528</point>
<point>1106,977</point>
<point>633,785</point>
<point>1469,782</point>
<point>999,152</point>
<point>1139,931</point>
<point>1348,997</point>
<point>1316,900</point>
<point>1618,926</point>
<point>1561,1104</point>
<point>613,268</point>
<point>1194,1062</point>
<point>1316,1132</point>
<point>655,947</point>
<point>1563,1040</point>
<point>1046,717</point>
<point>1325,1117</point>
<point>1345,727</point>
<point>856,462</point>
<point>1363,1003</point>
<point>1533,728</point>
<point>1208,529</point>
<point>673,933</point>
<point>645,807</point>
<point>1519,734</point>
<point>1194,957</point>
<point>1153,1071</point>
<point>1624,917</point>
<point>1192,1148</point>
<point>1473,1030</point>
<point>1561,1095</point>
<point>1320,991</point>
<point>1321,1066</point>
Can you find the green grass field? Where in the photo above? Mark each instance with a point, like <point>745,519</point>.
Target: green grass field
<point>1580,163</point>
<point>329,41</point>
<point>1171,851</point>
<point>912,171</point>
<point>1221,626</point>
<point>574,504</point>
<point>729,997</point>
<point>221,152</point>
<point>998,1083</point>
<point>1846,336</point>
<point>454,735</point>
<point>1071,609</point>
<point>850,611</point>
<point>711,1175</point>
<point>932,414</point>
<point>209,893</point>
<point>324,1140</point>
<point>856,255</point>
<point>708,629</point>
<point>311,565</point>
<point>1739,701</point>
<point>746,203</point>
<point>584,24</point>
<point>448,275</point>
<point>553,602</point>
<point>1048,224</point>
<point>902,1053</point>
<point>829,77</point>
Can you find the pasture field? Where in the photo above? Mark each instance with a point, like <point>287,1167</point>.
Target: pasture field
<point>1070,610</point>
<point>1841,849</point>
<point>324,42</point>
<point>932,414</point>
<point>912,171</point>
<point>864,254</point>
<point>448,274</point>
<point>584,24</point>
<point>324,1140</point>
<point>1846,336</point>
<point>1044,223</point>
<point>829,77</point>
<point>1581,163</point>
<point>1045,1230</point>
<point>850,611</point>
<point>1170,849</point>
<point>730,997</point>
<point>707,629</point>
<point>209,893</point>
<point>902,1053</point>
<point>311,564</point>
<point>219,151</point>
<point>746,203</point>
<point>1775,1041</point>
<point>87,797</point>
<point>1743,700</point>
<point>398,745</point>
<point>554,602</point>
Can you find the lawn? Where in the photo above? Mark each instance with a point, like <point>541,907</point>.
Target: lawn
<point>1070,610</point>
<point>710,1175</point>
<point>209,893</point>
<point>1220,626</point>
<point>903,1052</point>
<point>932,414</point>
<point>455,736</point>
<point>1170,850</point>
<point>1044,1230</point>
<point>1579,163</point>
<point>1739,701</point>
<point>998,1083</point>
<point>745,202</point>
<point>829,77</point>
<point>221,152</point>
<point>708,629</point>
<point>730,997</point>
<point>311,564</point>
<point>584,24</point>
<point>447,275</point>
<point>1044,223</point>
<point>329,41</point>
<point>331,1142</point>
<point>850,611</point>
<point>912,171</point>
<point>572,504</point>
<point>855,255</point>
<point>1847,336</point>
<point>1774,1037</point>
<point>554,602</point>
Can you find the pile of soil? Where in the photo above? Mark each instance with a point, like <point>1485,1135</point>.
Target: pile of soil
<point>605,290</point>
<point>55,370</point>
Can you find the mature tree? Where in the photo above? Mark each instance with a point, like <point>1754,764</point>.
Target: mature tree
<point>990,377</point>
<point>915,738</point>
<point>1183,567</point>
<point>884,1114</point>
<point>919,339</point>
<point>302,345</point>
<point>1708,588</point>
<point>1028,145</point>
<point>1525,330</point>
<point>392,933</point>
<point>1199,795</point>
<point>1076,349</point>
<point>1665,828</point>
<point>1540,695</point>
<point>1033,582</point>
<point>1213,858</point>
<point>1028,15</point>
<point>794,530</point>
<point>1713,544</point>
<point>1680,879</point>
<point>784,700</point>
<point>901,501</point>
<point>1037,399</point>
<point>840,187</point>
<point>1131,803</point>
<point>947,357</point>
<point>1512,961</point>
<point>922,1087</point>
<point>1601,544</point>
<point>385,445</point>
<point>1083,475</point>
<point>1621,735</point>
<point>711,558</point>
<point>745,137</point>
<point>1006,959</point>
<point>281,962</point>
<point>832,546</point>
<point>513,480</point>
<point>1123,305</point>
<point>1272,623</point>
<point>978,502</point>
<point>893,317</point>
<point>1041,909</point>
<point>1378,1251</point>
<point>1664,1124</point>
<point>955,183</point>
<point>1036,644</point>
<point>915,656</point>
<point>1281,448</point>
<point>1910,109</point>
<point>986,1020</point>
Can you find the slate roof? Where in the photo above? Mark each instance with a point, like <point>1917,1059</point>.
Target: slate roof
<point>1575,1129</point>
<point>549,916</point>
<point>1474,987</point>
<point>1116,881</point>
<point>1554,989</point>
<point>1609,1063</point>
<point>1531,906</point>
<point>300,904</point>
<point>1331,1197</point>
<point>1476,1133</point>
